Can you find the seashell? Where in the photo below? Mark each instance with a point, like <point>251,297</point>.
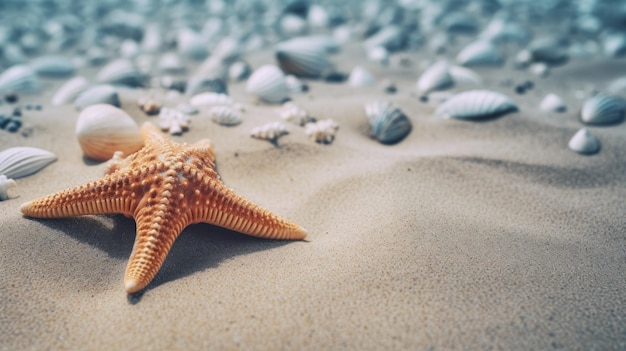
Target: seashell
<point>210,99</point>
<point>614,45</point>
<point>69,91</point>
<point>121,72</point>
<point>301,59</point>
<point>435,77</point>
<point>379,55</point>
<point>171,62</point>
<point>501,30</point>
<point>360,77</point>
<point>293,113</point>
<point>583,142</point>
<point>603,109</point>
<point>225,115</point>
<point>22,161</point>
<point>103,129</point>
<point>322,131</point>
<point>464,76</point>
<point>53,65</point>
<point>480,53</point>
<point>239,71</point>
<point>540,69</point>
<point>268,83</point>
<point>198,85</point>
<point>19,78</point>
<point>271,131</point>
<point>389,125</point>
<point>295,85</point>
<point>552,103</point>
<point>342,34</point>
<point>476,104</point>
<point>98,94</point>
<point>5,185</point>
<point>191,44</point>
<point>390,37</point>
<point>173,121</point>
<point>149,106</point>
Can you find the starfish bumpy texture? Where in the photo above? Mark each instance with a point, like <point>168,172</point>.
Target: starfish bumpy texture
<point>165,186</point>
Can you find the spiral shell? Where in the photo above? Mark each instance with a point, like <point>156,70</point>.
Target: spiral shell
<point>585,143</point>
<point>21,161</point>
<point>322,131</point>
<point>603,109</point>
<point>293,113</point>
<point>389,125</point>
<point>271,131</point>
<point>268,83</point>
<point>476,104</point>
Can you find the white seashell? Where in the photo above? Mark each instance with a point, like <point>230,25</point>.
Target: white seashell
<point>187,109</point>
<point>301,59</point>
<point>295,85</point>
<point>239,71</point>
<point>122,72</point>
<point>464,76</point>
<point>293,113</point>
<point>53,65</point>
<point>22,161</point>
<point>480,53</point>
<point>268,83</point>
<point>614,45</point>
<point>552,103</point>
<point>435,77</point>
<point>98,94</point>
<point>171,62</point>
<point>103,129</point>
<point>69,91</point>
<point>603,109</point>
<point>271,131</point>
<point>360,77</point>
<point>225,115</point>
<point>5,185</point>
<point>584,142</point>
<point>19,78</point>
<point>191,44</point>
<point>342,34</point>
<point>210,99</point>
<point>476,104</point>
<point>173,121</point>
<point>388,125</point>
<point>322,131</point>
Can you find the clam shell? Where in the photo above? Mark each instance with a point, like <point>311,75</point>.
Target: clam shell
<point>360,77</point>
<point>5,185</point>
<point>98,94</point>
<point>69,91</point>
<point>301,59</point>
<point>171,62</point>
<point>53,65</point>
<point>19,78</point>
<point>173,121</point>
<point>268,83</point>
<point>121,72</point>
<point>552,103</point>
<point>603,109</point>
<point>476,104</point>
<point>435,77</point>
<point>103,129</point>
<point>225,115</point>
<point>480,53</point>
<point>389,125</point>
<point>322,131</point>
<point>271,131</point>
<point>583,142</point>
<point>21,161</point>
<point>210,99</point>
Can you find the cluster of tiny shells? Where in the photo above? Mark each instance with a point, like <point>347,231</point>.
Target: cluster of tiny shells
<point>173,121</point>
<point>322,131</point>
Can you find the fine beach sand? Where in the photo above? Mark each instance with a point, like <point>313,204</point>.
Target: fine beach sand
<point>465,235</point>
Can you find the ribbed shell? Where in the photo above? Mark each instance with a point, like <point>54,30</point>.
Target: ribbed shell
<point>388,125</point>
<point>475,104</point>
<point>98,94</point>
<point>268,83</point>
<point>583,142</point>
<point>69,91</point>
<point>301,59</point>
<point>19,78</point>
<point>480,53</point>
<point>435,77</point>
<point>552,103</point>
<point>210,99</point>
<point>53,65</point>
<point>360,77</point>
<point>21,161</point>
<point>121,72</point>
<point>271,131</point>
<point>603,109</point>
<point>103,129</point>
<point>322,131</point>
<point>225,115</point>
<point>5,185</point>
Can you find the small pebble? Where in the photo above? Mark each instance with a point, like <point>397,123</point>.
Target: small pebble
<point>336,77</point>
<point>4,121</point>
<point>14,126</point>
<point>520,89</point>
<point>11,98</point>
<point>17,112</point>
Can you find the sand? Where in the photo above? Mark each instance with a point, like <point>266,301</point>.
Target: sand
<point>466,235</point>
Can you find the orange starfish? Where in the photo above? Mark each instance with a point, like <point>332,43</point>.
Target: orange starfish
<point>165,186</point>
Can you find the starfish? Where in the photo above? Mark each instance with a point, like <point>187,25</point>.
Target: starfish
<point>165,186</point>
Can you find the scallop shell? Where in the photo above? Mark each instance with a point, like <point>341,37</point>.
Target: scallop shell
<point>360,77</point>
<point>98,94</point>
<point>552,103</point>
<point>19,78</point>
<point>69,91</point>
<point>271,131</point>
<point>210,99</point>
<point>121,72</point>
<point>5,185</point>
<point>21,161</point>
<point>53,65</point>
<point>301,59</point>
<point>103,129</point>
<point>435,77</point>
<point>173,121</point>
<point>322,131</point>
<point>268,83</point>
<point>389,125</point>
<point>480,53</point>
<point>476,104</point>
<point>171,62</point>
<point>225,115</point>
<point>293,113</point>
<point>603,109</point>
<point>584,142</point>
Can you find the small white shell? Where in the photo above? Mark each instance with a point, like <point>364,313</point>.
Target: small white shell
<point>480,53</point>
<point>322,131</point>
<point>228,49</point>
<point>301,59</point>
<point>19,78</point>
<point>603,109</point>
<point>360,77</point>
<point>53,65</point>
<point>268,83</point>
<point>552,103</point>
<point>389,125</point>
<point>5,185</point>
<point>122,72</point>
<point>21,161</point>
<point>584,142</point>
<point>271,131</point>
<point>103,129</point>
<point>149,105</point>
<point>476,104</point>
<point>98,94</point>
<point>225,115</point>
<point>293,113</point>
<point>70,90</point>
<point>171,62</point>
<point>173,121</point>
<point>210,99</point>
<point>435,77</point>
<point>292,25</point>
